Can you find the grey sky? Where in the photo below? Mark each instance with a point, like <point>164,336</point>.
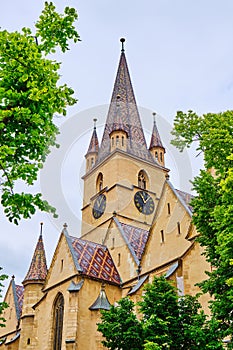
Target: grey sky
<point>180,56</point>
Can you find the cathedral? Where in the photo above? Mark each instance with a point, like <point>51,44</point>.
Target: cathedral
<point>135,225</point>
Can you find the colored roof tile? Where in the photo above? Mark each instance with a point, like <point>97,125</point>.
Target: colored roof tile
<point>38,268</point>
<point>95,260</point>
<point>137,238</point>
<point>123,115</point>
<point>20,296</point>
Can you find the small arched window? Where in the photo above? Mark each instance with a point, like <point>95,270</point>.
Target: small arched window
<point>58,322</point>
<point>117,140</point>
<point>122,141</point>
<point>142,179</point>
<point>161,156</point>
<point>112,141</point>
<point>156,155</point>
<point>99,182</point>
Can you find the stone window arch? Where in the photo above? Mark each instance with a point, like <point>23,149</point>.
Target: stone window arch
<point>58,314</point>
<point>99,182</point>
<point>142,180</point>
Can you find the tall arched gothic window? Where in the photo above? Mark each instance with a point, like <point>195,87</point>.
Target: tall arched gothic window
<point>99,182</point>
<point>142,179</point>
<point>58,322</point>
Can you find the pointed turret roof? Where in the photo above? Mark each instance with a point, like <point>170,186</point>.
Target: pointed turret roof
<point>94,143</point>
<point>155,137</point>
<point>123,115</point>
<point>38,269</point>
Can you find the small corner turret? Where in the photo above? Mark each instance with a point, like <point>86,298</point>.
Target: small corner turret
<point>93,149</point>
<point>156,147</point>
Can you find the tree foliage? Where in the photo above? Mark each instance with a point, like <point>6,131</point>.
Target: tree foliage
<point>120,327</point>
<point>213,208</point>
<point>165,322</point>
<point>30,94</point>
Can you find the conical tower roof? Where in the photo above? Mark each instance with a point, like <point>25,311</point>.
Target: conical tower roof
<point>155,137</point>
<point>38,269</point>
<point>94,143</point>
<point>123,115</point>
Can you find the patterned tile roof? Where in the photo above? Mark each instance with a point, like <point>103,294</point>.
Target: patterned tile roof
<point>155,138</point>
<point>19,295</point>
<point>137,238</point>
<point>94,143</point>
<point>38,268</point>
<point>95,260</point>
<point>123,115</point>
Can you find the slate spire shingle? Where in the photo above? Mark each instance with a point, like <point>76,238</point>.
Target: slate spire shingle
<point>38,269</point>
<point>123,115</point>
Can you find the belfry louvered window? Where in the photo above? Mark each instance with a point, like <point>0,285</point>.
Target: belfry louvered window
<point>142,179</point>
<point>58,322</point>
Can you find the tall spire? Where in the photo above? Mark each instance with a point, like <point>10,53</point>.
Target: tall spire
<point>123,115</point>
<point>38,269</point>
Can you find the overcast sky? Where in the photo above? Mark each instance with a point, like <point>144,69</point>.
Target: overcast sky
<point>180,56</point>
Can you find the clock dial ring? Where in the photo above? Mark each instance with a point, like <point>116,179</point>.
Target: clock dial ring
<point>99,206</point>
<point>144,202</point>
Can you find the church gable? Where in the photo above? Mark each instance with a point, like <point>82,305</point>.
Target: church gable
<point>62,265</point>
<point>14,299</point>
<point>170,227</point>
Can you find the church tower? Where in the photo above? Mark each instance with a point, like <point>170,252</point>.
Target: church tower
<point>125,179</point>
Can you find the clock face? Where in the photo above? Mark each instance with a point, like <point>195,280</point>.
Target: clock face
<point>99,206</point>
<point>143,202</point>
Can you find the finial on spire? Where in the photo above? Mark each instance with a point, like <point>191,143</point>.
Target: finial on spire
<point>154,115</point>
<point>122,40</point>
<point>94,120</point>
<point>65,225</point>
<point>41,227</point>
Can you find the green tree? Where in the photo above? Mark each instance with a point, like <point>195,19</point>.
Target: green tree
<point>166,322</point>
<point>120,327</point>
<point>3,305</point>
<point>30,95</point>
<point>212,205</point>
<point>159,307</point>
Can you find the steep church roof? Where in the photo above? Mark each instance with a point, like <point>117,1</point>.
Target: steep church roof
<point>18,294</point>
<point>135,238</point>
<point>155,137</point>
<point>123,115</point>
<point>94,260</point>
<point>38,268</point>
<point>94,143</point>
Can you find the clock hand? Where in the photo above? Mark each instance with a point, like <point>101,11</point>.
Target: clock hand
<point>142,198</point>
